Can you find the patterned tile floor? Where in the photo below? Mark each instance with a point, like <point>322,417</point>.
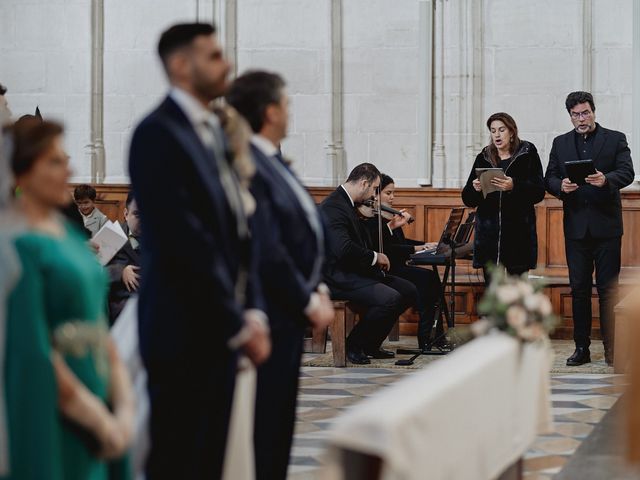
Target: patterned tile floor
<point>579,402</point>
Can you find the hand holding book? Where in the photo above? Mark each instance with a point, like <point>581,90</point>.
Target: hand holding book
<point>492,180</point>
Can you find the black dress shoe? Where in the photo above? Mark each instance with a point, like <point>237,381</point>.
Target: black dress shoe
<point>579,357</point>
<point>357,357</point>
<point>379,353</point>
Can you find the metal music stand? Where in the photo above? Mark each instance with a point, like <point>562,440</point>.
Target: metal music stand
<point>454,236</point>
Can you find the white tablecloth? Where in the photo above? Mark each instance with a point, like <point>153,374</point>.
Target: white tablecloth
<point>467,416</point>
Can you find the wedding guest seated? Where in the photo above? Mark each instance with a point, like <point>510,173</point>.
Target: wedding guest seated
<point>85,197</point>
<point>354,271</point>
<point>123,268</point>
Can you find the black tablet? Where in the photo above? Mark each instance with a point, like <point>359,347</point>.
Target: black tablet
<point>578,170</point>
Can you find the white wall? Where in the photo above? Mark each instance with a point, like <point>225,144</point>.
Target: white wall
<point>293,39</point>
<point>45,61</point>
<point>526,55</point>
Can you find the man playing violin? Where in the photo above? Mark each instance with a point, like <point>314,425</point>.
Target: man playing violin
<point>356,272</point>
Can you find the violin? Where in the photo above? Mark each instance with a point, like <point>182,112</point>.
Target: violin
<point>369,208</point>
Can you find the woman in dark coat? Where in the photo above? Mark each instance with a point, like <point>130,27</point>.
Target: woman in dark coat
<point>398,248</point>
<point>506,219</point>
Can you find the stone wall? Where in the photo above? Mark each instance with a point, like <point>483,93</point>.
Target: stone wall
<point>517,56</point>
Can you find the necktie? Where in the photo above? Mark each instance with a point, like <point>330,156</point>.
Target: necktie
<point>228,179</point>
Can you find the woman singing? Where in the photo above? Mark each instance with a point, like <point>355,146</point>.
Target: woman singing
<point>506,219</point>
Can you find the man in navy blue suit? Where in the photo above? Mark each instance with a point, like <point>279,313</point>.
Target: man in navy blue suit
<point>290,238</point>
<point>193,318</point>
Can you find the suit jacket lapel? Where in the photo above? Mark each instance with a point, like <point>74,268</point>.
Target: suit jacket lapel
<point>357,223</point>
<point>598,142</point>
<point>201,156</point>
<point>283,184</point>
<point>572,149</point>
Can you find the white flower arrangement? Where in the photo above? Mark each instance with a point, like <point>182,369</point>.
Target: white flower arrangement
<point>517,306</point>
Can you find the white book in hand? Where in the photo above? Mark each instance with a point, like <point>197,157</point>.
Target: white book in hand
<point>109,239</point>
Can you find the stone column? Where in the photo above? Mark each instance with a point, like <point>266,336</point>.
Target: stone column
<point>335,150</point>
<point>205,11</point>
<point>439,168</point>
<point>96,147</point>
<point>587,44</point>
<point>474,127</point>
<point>425,94</point>
<point>635,134</point>
<point>225,15</point>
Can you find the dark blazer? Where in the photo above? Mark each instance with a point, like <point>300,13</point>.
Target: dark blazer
<point>288,246</point>
<point>508,218</point>
<point>596,209</point>
<point>349,251</point>
<point>192,255</point>
<point>396,246</point>
<point>118,293</point>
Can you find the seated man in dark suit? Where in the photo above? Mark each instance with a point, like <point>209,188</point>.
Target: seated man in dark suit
<point>355,272</point>
<point>123,268</point>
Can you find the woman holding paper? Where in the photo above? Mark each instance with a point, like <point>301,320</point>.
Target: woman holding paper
<point>506,220</point>
<point>61,368</point>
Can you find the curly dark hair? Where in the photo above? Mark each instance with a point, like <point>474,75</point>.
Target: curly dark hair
<point>576,98</point>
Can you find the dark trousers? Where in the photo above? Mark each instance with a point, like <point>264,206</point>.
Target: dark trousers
<point>190,419</point>
<point>428,286</point>
<point>276,393</point>
<point>582,255</point>
<point>384,301</point>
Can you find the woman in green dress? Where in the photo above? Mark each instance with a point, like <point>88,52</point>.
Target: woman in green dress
<point>60,367</point>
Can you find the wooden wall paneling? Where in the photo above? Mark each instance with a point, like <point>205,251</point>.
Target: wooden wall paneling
<point>631,223</point>
<point>554,240</point>
<point>431,207</point>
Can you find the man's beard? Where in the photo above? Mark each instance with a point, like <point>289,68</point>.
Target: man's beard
<point>209,89</point>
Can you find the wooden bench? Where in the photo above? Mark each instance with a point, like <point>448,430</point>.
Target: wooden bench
<point>343,321</point>
<point>625,314</point>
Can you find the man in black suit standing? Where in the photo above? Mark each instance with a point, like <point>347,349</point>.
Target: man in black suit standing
<point>592,217</point>
<point>290,237</point>
<point>124,268</point>
<point>196,262</point>
<point>355,272</point>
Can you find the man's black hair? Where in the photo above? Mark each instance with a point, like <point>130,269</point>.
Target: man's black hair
<point>179,36</point>
<point>576,98</point>
<point>3,89</point>
<point>367,171</point>
<point>130,198</point>
<point>252,92</point>
<point>84,192</point>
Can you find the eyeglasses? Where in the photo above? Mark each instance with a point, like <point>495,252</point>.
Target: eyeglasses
<point>581,115</point>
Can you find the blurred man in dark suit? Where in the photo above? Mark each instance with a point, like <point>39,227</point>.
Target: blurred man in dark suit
<point>592,217</point>
<point>196,262</point>
<point>290,236</point>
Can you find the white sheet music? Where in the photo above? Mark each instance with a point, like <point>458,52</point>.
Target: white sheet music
<point>109,239</point>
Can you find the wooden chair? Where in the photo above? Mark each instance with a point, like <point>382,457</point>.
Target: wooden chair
<point>346,315</point>
<point>317,342</point>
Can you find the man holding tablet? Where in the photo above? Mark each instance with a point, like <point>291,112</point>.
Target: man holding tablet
<point>592,216</point>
